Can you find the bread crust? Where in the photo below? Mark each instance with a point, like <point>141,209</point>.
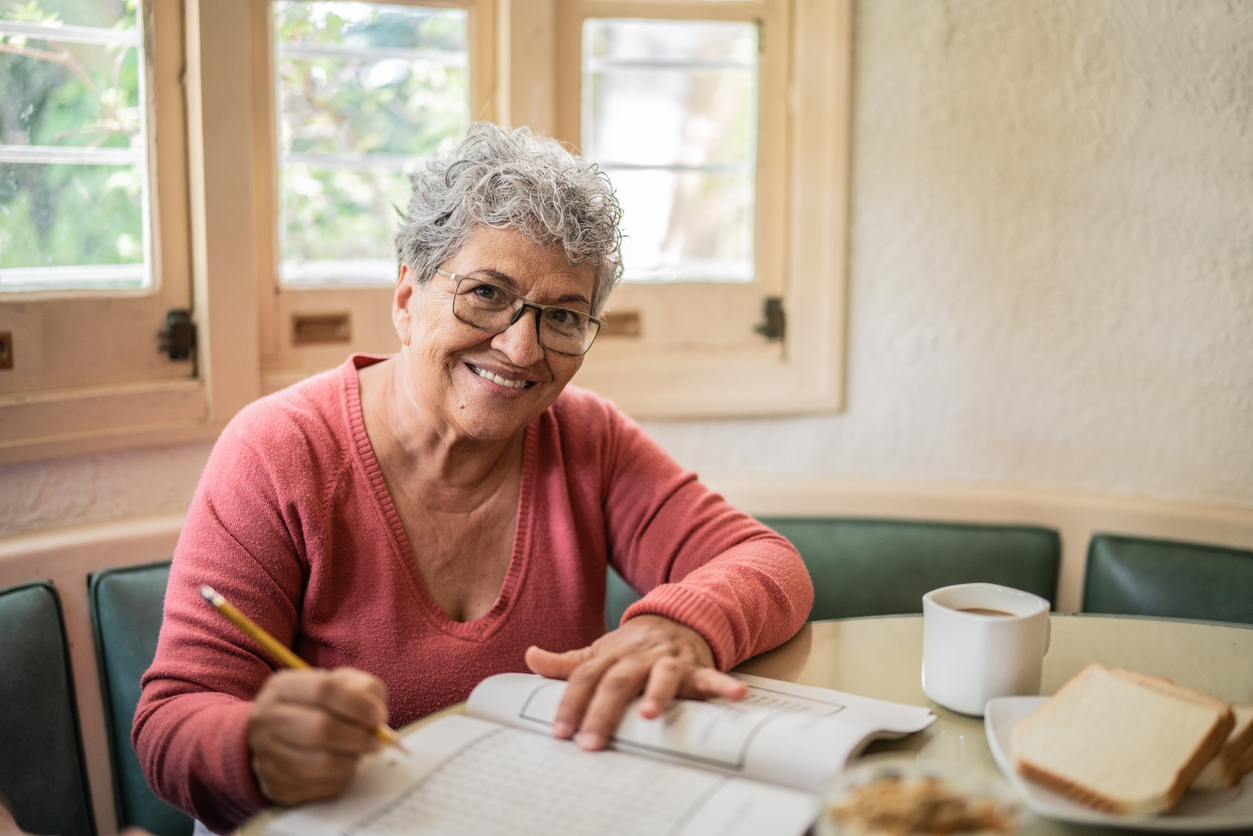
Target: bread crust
<point>1207,750</point>
<point>1234,759</point>
<point>1068,788</point>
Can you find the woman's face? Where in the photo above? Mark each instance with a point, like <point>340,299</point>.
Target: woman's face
<point>486,386</point>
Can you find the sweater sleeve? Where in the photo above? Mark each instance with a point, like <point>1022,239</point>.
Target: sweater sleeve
<point>701,562</point>
<point>241,538</point>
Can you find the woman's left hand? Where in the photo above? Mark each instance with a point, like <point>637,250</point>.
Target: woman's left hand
<point>649,654</point>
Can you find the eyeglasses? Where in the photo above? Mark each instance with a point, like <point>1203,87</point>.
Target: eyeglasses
<point>490,307</point>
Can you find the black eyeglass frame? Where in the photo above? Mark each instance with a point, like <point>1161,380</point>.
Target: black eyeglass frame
<point>526,303</point>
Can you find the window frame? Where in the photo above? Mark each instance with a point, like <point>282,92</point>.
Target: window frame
<point>728,310</point>
<point>368,308</point>
<point>232,237</point>
<point>804,372</point>
<point>199,208</point>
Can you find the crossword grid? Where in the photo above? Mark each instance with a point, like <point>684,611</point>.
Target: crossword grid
<point>546,788</point>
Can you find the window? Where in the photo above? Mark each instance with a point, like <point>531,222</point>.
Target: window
<point>363,94</point>
<point>366,92</point>
<point>94,246</point>
<point>723,124</point>
<point>669,110</point>
<point>74,182</point>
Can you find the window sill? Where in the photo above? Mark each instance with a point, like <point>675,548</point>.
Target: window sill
<point>76,421</point>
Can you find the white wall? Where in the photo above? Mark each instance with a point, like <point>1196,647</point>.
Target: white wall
<point>1051,276</point>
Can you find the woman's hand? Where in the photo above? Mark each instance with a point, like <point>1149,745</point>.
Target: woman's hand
<point>649,654</point>
<point>308,729</point>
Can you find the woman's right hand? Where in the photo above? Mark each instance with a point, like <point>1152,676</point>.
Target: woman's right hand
<point>308,729</point>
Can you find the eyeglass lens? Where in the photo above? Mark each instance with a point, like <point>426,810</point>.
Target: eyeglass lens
<point>494,308</point>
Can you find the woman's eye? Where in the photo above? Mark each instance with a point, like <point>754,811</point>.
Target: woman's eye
<point>487,294</point>
<point>564,321</point>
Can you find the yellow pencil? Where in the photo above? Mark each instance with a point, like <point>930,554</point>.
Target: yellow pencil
<point>283,654</point>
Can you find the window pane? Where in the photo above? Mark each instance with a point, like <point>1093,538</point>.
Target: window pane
<point>670,112</point>
<point>338,215</point>
<point>73,172</point>
<point>365,92</point>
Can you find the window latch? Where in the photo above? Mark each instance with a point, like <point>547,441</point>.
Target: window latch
<point>775,325</point>
<point>179,336</point>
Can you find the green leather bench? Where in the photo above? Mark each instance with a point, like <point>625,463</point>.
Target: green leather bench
<point>866,567</point>
<point>1140,576</point>
<point>126,610</point>
<point>42,769</point>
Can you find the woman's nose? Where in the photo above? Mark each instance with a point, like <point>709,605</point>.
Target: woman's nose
<point>521,339</point>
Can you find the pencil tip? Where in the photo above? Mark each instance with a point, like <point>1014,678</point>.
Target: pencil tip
<point>210,596</point>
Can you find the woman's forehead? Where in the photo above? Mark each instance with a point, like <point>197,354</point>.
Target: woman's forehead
<point>511,259</point>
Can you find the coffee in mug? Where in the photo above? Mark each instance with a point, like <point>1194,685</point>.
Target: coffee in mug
<point>981,641</point>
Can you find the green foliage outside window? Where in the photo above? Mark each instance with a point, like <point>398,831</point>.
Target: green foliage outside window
<point>70,95</point>
<point>365,91</point>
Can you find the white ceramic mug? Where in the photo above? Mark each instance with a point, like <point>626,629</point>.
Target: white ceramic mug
<point>981,641</point>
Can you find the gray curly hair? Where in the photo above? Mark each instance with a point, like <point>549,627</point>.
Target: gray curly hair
<point>513,180</point>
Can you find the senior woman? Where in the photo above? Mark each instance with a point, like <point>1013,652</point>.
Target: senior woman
<point>412,524</point>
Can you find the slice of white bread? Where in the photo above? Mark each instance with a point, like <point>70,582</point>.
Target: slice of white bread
<point>1121,741</point>
<point>1235,759</point>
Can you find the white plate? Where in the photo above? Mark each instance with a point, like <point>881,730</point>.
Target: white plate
<point>1198,810</point>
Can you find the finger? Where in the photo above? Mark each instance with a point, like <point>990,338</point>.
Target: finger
<point>620,684</point>
<point>664,682</point>
<point>359,697</point>
<point>354,696</point>
<point>581,686</point>
<point>556,665</point>
<point>312,727</point>
<point>293,775</point>
<point>291,763</point>
<point>707,683</point>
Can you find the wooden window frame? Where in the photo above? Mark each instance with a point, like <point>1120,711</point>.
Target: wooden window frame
<point>232,246</point>
<point>368,309</point>
<point>216,190</point>
<point>805,374</point>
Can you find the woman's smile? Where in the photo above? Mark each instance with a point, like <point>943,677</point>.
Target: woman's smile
<point>498,379</point>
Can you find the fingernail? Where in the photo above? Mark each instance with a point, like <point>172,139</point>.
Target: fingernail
<point>590,741</point>
<point>563,728</point>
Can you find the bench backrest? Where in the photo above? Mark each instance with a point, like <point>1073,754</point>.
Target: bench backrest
<point>42,769</point>
<point>126,610</point>
<point>1140,576</point>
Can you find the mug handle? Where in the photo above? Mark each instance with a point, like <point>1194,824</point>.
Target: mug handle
<point>1048,631</point>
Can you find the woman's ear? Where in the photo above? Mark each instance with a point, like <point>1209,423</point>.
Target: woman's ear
<point>402,317</point>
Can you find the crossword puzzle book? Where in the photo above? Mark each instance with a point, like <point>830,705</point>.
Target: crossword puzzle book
<point>750,767</point>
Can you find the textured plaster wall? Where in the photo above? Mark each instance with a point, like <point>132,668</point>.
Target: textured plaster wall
<point>96,488</point>
<point>1051,270</point>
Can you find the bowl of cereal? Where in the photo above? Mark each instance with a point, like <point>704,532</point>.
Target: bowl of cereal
<point>895,795</point>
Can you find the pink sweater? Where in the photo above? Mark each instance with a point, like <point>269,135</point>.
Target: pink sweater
<point>292,523</point>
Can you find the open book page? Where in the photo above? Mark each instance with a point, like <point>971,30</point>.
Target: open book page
<point>793,735</point>
<point>463,775</point>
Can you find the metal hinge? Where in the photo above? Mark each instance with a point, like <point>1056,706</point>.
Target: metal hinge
<point>775,325</point>
<point>179,336</point>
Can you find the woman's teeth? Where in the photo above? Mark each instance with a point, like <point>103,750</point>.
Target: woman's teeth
<point>495,378</point>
